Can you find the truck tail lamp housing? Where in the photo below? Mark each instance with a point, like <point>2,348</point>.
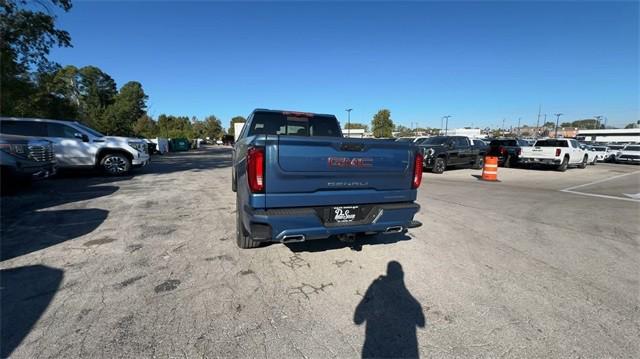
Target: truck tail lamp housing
<point>417,171</point>
<point>558,151</point>
<point>255,169</point>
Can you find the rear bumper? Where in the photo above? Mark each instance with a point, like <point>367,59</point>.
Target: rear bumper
<point>542,161</point>
<point>287,224</point>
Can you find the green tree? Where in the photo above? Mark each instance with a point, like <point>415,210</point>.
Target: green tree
<point>382,125</point>
<point>145,127</point>
<point>213,127</point>
<point>549,124</point>
<point>119,118</point>
<point>27,34</point>
<point>633,125</point>
<point>175,126</point>
<point>566,124</point>
<point>356,126</point>
<point>236,119</point>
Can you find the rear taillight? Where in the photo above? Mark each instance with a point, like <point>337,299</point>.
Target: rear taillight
<point>519,151</point>
<point>502,150</point>
<point>255,169</point>
<point>417,171</point>
<point>558,152</point>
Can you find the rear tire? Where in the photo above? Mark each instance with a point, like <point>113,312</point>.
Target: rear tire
<point>583,164</point>
<point>563,166</point>
<point>243,240</point>
<point>439,165</point>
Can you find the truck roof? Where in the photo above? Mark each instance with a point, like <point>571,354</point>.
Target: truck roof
<point>290,111</point>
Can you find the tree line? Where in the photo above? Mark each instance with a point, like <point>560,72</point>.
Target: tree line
<point>34,86</point>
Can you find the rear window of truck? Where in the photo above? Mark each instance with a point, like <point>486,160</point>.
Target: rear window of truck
<point>273,123</point>
<point>552,143</point>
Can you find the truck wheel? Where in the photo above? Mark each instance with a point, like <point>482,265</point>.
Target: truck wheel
<point>563,166</point>
<point>115,164</point>
<point>478,163</point>
<point>243,240</point>
<point>439,165</point>
<point>583,164</point>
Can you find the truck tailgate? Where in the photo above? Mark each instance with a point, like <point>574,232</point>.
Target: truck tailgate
<point>539,152</point>
<point>321,170</point>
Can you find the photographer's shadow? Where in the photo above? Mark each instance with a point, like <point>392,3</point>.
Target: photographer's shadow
<point>391,314</point>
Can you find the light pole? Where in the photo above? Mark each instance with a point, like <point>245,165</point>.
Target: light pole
<point>519,118</point>
<point>557,121</point>
<point>349,122</point>
<point>598,119</point>
<point>446,124</point>
<point>538,121</point>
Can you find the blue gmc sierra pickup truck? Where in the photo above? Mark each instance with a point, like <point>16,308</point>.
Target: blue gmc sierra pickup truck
<point>297,178</point>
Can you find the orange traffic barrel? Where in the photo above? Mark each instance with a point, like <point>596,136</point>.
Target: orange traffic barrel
<point>490,169</point>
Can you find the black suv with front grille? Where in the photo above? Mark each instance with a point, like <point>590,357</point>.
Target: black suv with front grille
<point>26,158</point>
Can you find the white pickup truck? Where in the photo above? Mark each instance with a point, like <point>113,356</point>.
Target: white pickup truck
<point>560,153</point>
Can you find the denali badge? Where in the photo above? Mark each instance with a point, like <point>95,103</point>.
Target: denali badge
<point>350,162</point>
<point>347,184</point>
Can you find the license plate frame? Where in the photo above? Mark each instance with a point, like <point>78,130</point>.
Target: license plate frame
<point>346,214</point>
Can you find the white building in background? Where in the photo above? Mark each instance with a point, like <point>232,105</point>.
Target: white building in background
<point>237,128</point>
<point>356,133</point>
<point>467,132</point>
<point>610,135</point>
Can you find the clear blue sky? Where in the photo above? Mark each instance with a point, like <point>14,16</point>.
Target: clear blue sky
<point>479,62</point>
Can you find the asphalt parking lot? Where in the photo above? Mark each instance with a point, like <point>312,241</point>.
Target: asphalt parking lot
<point>541,264</point>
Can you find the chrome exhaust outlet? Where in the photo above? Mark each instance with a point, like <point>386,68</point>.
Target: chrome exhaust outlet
<point>293,238</point>
<point>394,229</point>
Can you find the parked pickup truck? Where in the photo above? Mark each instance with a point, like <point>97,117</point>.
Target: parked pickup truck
<point>441,152</point>
<point>561,153</point>
<point>507,150</point>
<point>297,178</point>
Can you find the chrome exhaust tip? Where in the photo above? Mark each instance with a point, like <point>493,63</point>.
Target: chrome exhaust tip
<point>394,229</point>
<point>293,238</point>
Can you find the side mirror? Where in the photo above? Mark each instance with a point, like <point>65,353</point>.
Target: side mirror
<point>81,136</point>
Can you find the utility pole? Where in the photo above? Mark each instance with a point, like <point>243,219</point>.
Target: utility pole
<point>519,118</point>
<point>557,121</point>
<point>446,125</point>
<point>502,128</point>
<point>598,119</point>
<point>441,124</point>
<point>349,121</point>
<point>538,121</point>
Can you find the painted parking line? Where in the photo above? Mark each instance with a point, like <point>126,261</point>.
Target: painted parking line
<point>632,198</point>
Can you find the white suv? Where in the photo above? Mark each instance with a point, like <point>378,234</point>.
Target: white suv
<point>77,145</point>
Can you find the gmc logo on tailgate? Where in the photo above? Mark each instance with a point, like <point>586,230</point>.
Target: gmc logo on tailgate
<point>350,162</point>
